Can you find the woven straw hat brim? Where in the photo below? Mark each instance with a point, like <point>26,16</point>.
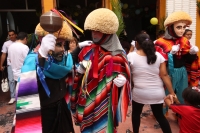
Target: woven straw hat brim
<point>178,16</point>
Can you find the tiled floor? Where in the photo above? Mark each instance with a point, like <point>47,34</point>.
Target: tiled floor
<point>148,123</point>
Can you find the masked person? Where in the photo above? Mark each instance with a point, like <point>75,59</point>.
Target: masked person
<point>101,92</point>
<point>52,83</point>
<point>181,57</point>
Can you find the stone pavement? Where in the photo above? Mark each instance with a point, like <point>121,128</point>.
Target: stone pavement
<point>148,123</point>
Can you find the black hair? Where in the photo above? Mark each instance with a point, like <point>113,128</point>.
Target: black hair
<point>161,33</point>
<point>191,96</point>
<point>186,31</point>
<point>125,45</point>
<point>172,32</point>
<point>147,46</point>
<point>22,35</point>
<point>12,31</point>
<point>143,31</point>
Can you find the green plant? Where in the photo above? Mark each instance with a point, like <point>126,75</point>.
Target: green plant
<point>116,7</point>
<point>161,23</point>
<point>198,4</point>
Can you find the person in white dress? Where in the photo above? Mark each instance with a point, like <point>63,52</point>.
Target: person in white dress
<point>148,74</point>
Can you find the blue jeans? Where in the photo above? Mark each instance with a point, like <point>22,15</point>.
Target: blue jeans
<point>11,82</point>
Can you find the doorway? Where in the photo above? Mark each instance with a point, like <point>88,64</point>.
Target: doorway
<point>137,15</point>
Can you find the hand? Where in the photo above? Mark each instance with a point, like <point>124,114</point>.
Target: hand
<point>47,44</point>
<point>84,43</point>
<point>175,49</point>
<point>176,99</point>
<point>120,80</point>
<point>170,97</point>
<point>2,68</point>
<point>80,69</point>
<point>194,50</point>
<point>133,43</point>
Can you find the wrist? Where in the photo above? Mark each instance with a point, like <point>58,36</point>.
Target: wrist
<point>176,101</point>
<point>42,53</point>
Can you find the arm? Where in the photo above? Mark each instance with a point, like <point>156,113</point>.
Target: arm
<point>131,48</point>
<point>132,83</point>
<point>165,77</point>
<point>78,49</point>
<point>41,60</point>
<point>169,99</point>
<point>3,57</point>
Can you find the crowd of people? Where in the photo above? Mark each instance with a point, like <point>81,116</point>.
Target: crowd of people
<point>108,76</point>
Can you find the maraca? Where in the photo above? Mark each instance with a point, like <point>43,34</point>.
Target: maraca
<point>51,22</point>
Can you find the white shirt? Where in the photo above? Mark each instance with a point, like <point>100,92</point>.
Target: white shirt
<point>17,54</point>
<point>148,86</point>
<point>5,47</point>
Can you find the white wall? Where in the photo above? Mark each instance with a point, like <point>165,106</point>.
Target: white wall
<point>188,6</point>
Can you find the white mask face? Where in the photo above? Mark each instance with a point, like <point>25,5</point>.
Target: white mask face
<point>96,36</point>
<point>179,28</point>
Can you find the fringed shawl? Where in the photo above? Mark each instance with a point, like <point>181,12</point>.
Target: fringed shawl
<point>164,46</point>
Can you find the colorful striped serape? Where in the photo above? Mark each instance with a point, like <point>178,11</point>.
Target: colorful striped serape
<point>101,105</point>
<point>164,46</point>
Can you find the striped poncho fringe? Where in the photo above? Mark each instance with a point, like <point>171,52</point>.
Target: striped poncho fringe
<point>105,105</point>
<point>164,46</point>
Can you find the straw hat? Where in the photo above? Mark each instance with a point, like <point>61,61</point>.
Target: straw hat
<point>102,20</point>
<point>64,33</point>
<point>177,16</point>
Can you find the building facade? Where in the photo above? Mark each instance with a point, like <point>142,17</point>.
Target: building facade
<point>163,8</point>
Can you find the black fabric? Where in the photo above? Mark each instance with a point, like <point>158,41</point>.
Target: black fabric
<point>56,118</point>
<point>57,89</point>
<point>172,32</point>
<point>157,112</point>
<point>179,61</point>
<point>75,55</point>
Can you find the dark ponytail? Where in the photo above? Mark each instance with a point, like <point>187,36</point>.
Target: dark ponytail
<point>147,46</point>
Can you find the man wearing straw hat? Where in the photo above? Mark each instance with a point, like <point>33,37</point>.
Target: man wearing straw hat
<point>52,82</point>
<point>181,57</point>
<point>101,92</point>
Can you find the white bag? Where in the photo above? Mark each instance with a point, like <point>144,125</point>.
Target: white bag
<point>4,83</point>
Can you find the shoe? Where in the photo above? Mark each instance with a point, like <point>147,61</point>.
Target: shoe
<point>12,100</point>
<point>14,120</point>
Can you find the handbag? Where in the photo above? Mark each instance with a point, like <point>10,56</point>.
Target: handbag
<point>4,82</point>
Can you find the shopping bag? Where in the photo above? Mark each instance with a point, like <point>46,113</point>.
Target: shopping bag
<point>4,82</point>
